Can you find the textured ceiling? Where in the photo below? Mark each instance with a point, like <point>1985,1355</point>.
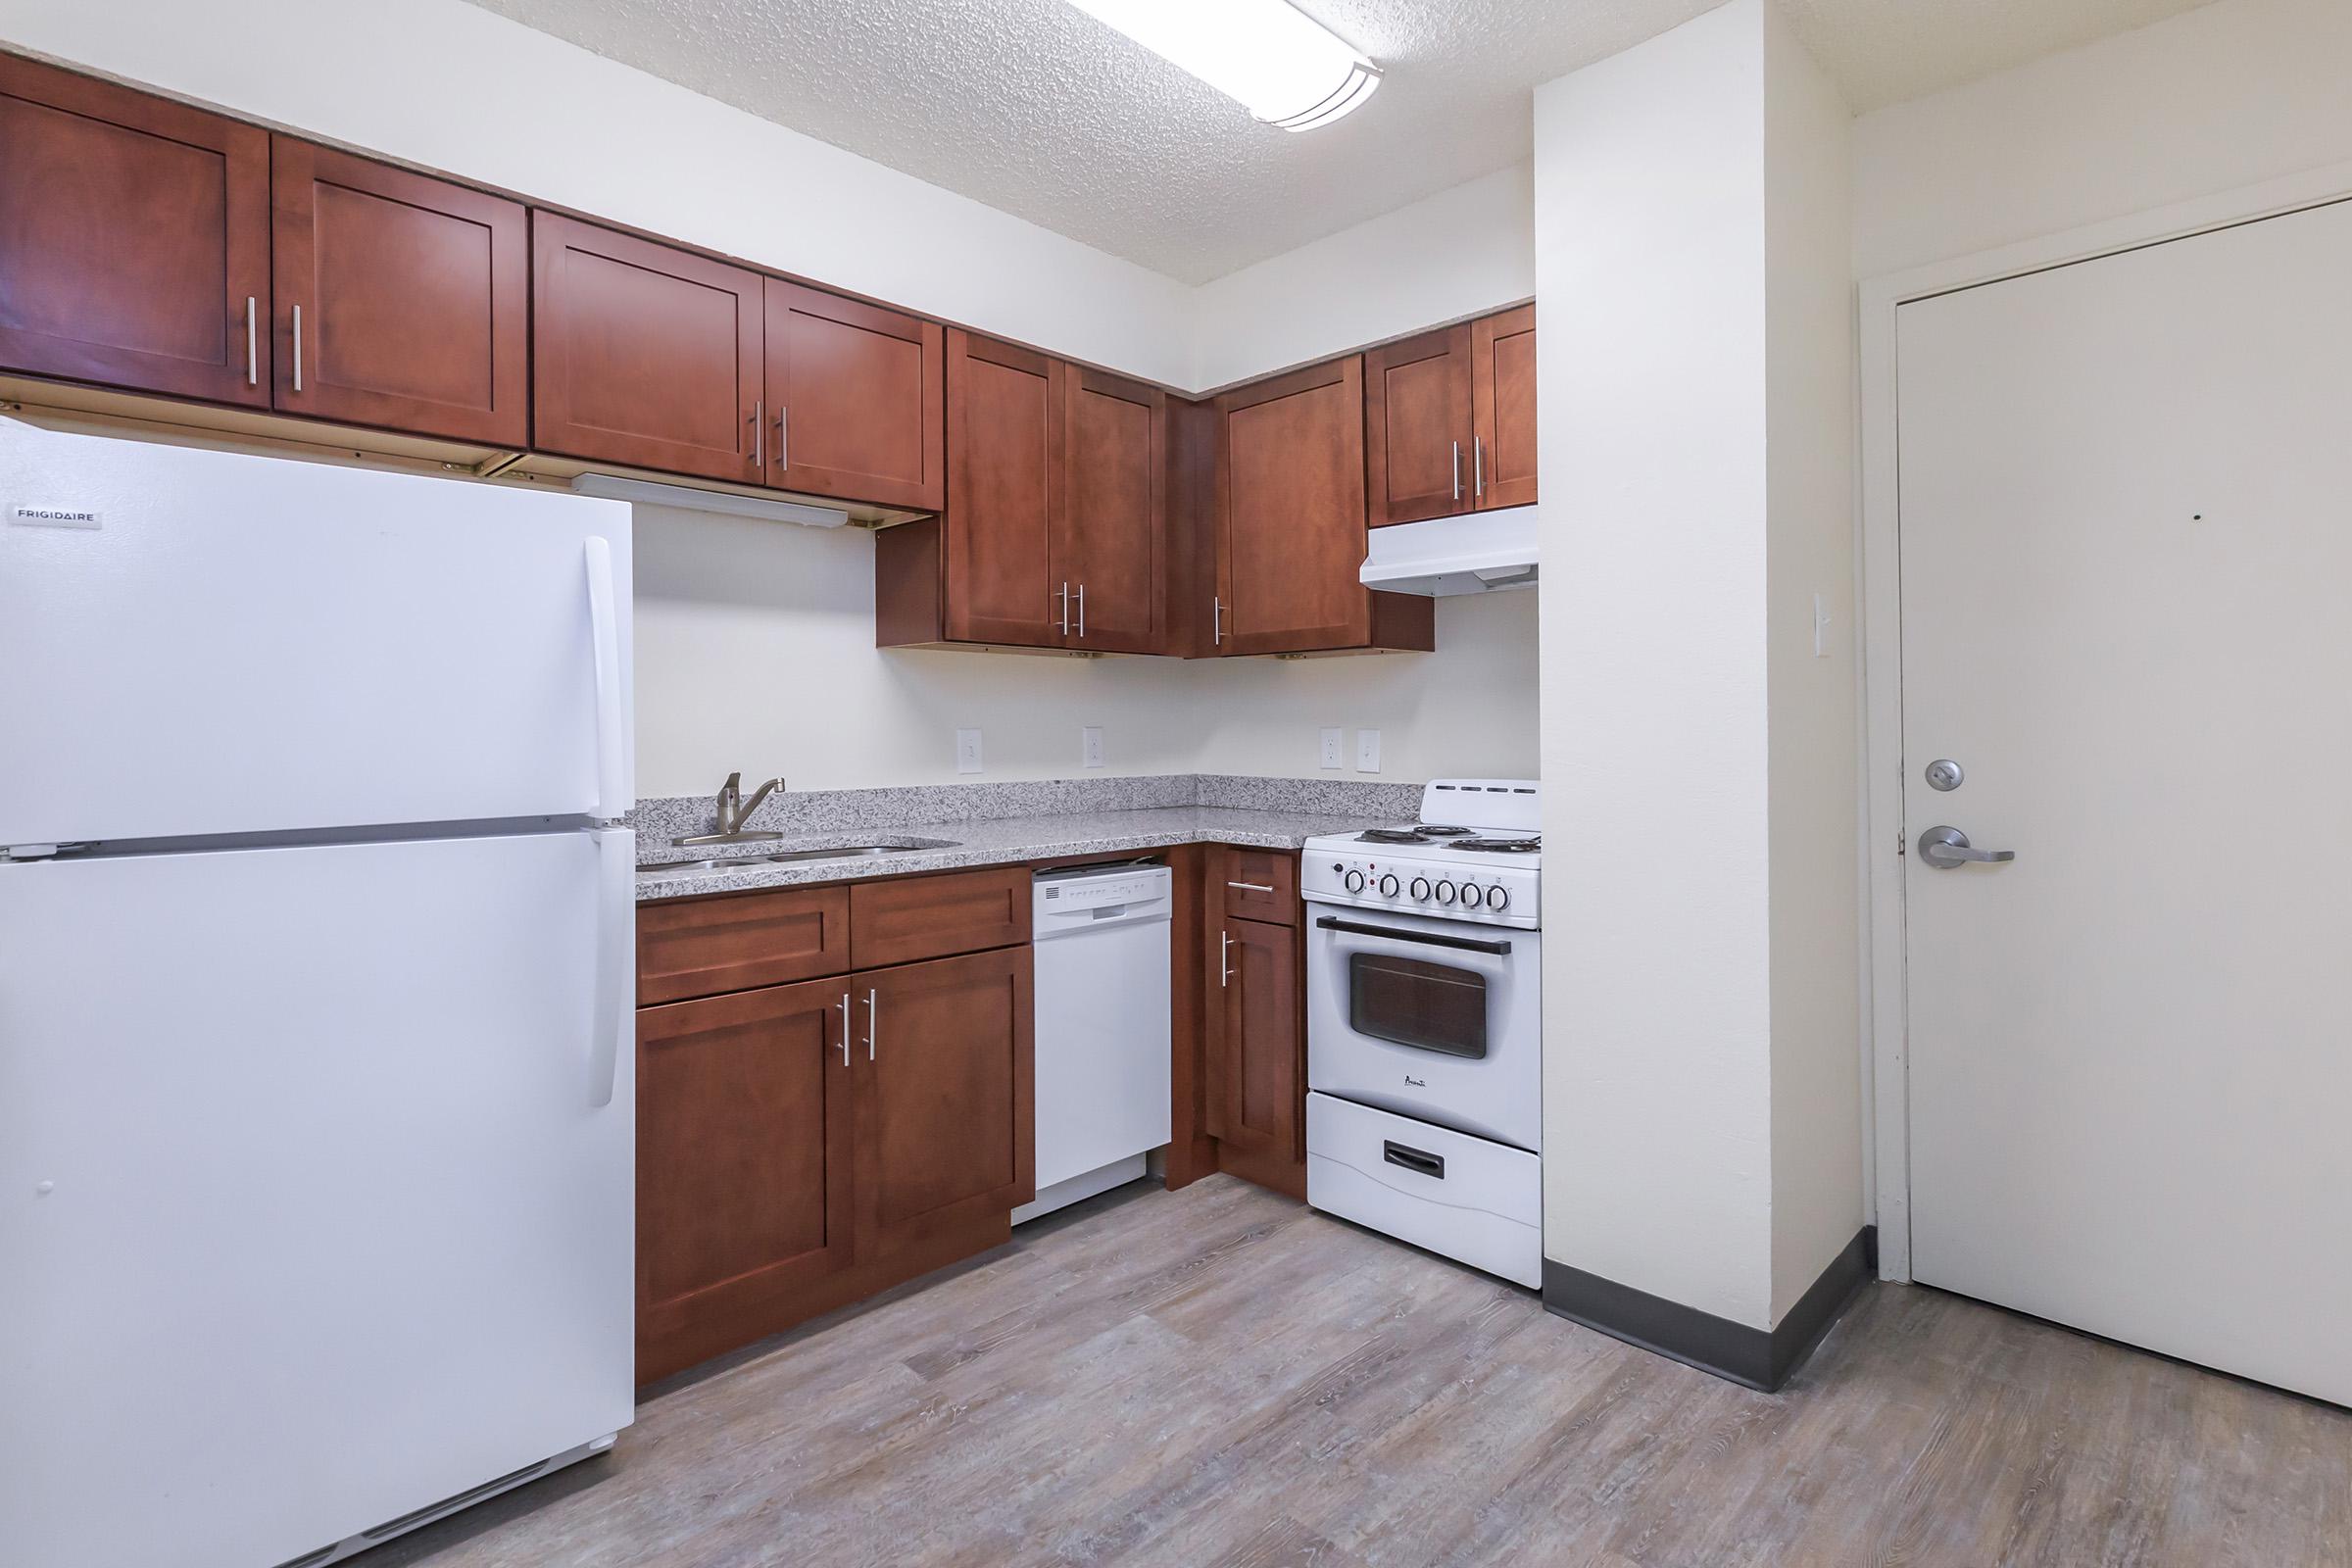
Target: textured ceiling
<point>1038,109</point>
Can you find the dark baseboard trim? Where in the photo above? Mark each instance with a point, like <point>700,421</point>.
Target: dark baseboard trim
<point>1756,1357</point>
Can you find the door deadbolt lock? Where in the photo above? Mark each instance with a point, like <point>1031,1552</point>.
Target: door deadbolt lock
<point>1945,774</point>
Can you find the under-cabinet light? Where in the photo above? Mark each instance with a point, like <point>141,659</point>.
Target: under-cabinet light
<point>618,487</point>
<point>1283,66</point>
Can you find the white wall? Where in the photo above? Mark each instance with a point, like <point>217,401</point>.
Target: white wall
<point>754,652</point>
<point>1650,369</point>
<point>2227,95</point>
<point>1815,860</point>
<point>1458,254</point>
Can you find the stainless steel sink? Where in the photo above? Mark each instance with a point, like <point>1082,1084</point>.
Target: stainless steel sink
<point>833,852</point>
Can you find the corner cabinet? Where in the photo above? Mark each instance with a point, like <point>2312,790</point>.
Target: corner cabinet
<point>1053,536</point>
<point>800,1145</point>
<point>1450,420</point>
<point>1289,523</point>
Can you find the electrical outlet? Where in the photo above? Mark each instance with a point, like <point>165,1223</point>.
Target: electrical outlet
<point>1332,740</point>
<point>1090,745</point>
<point>1367,751</point>
<point>967,751</point>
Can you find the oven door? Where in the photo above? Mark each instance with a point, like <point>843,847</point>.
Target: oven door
<point>1433,1018</point>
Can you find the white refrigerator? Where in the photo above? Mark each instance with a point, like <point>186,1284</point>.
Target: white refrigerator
<point>317,1126</point>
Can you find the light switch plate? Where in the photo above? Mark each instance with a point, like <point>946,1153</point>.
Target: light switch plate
<point>1367,751</point>
<point>1090,745</point>
<point>1332,742</point>
<point>967,751</point>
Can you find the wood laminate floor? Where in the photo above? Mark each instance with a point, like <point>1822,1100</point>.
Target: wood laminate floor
<point>1219,1377</point>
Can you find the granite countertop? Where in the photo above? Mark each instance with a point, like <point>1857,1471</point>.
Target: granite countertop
<point>989,841</point>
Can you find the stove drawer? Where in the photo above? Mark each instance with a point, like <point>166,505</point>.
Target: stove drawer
<point>1477,1201</point>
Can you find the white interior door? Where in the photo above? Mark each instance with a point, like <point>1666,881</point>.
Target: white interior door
<point>2127,543</point>
<point>316,1188</point>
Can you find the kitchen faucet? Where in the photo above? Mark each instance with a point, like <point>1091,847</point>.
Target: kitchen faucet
<point>733,811</point>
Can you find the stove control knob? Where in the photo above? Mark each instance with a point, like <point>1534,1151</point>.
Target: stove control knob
<point>1420,889</point>
<point>1444,892</point>
<point>1472,895</point>
<point>1499,897</point>
<point>1387,886</point>
<point>1356,882</point>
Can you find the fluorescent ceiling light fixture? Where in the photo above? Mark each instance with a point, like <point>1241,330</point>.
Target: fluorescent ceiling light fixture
<point>1282,66</point>
<point>620,487</point>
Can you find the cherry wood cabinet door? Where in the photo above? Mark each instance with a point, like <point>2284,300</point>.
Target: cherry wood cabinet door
<point>942,1053</point>
<point>134,239</point>
<point>1109,525</point>
<point>855,399</point>
<point>1290,504</point>
<point>1502,353</point>
<point>701,947</point>
<point>643,354</point>
<point>1257,1073</point>
<point>744,1166</point>
<point>1004,440</point>
<point>1418,432</point>
<point>400,301</point>
<point>895,920</point>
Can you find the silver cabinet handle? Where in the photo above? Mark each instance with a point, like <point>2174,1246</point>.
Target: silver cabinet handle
<point>1251,887</point>
<point>1946,847</point>
<point>297,348</point>
<point>1216,633</point>
<point>783,445</point>
<point>1225,959</point>
<point>873,1024</point>
<point>760,434</point>
<point>1478,467</point>
<point>1082,610</point>
<point>844,1028</point>
<point>252,346</point>
<point>1457,471</point>
<point>1061,597</point>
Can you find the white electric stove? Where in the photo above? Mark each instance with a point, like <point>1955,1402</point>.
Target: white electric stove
<point>1424,1116</point>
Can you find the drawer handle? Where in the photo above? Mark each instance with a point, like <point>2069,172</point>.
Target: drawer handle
<point>844,1028</point>
<point>1419,1161</point>
<point>1251,887</point>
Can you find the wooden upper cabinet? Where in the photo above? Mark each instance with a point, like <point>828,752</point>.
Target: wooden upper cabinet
<point>946,1113</point>
<point>1503,352</point>
<point>744,1166</point>
<point>1418,432</point>
<point>1109,529</point>
<point>643,355</point>
<point>1291,512</point>
<point>1002,448</point>
<point>855,394</point>
<point>400,301</point>
<point>134,239</point>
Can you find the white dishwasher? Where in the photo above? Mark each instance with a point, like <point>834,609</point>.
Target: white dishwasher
<point>1103,1053</point>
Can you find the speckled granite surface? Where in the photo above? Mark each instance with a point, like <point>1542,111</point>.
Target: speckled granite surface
<point>992,824</point>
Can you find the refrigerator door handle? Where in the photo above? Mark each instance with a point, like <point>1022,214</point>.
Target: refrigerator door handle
<point>605,634</point>
<point>615,928</point>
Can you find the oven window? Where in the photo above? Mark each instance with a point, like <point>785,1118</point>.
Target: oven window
<point>1430,1006</point>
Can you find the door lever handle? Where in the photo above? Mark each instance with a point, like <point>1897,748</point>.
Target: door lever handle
<point>1944,848</point>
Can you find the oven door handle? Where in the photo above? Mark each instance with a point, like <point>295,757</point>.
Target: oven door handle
<point>1329,922</point>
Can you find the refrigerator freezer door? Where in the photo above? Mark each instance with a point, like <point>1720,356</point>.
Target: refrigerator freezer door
<point>228,644</point>
<point>316,1201</point>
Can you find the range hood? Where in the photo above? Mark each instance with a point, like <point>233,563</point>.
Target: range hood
<point>1476,553</point>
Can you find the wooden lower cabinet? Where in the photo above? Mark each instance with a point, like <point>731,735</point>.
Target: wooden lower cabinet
<point>1255,1047</point>
<point>744,1167</point>
<point>945,1101</point>
<point>800,1147</point>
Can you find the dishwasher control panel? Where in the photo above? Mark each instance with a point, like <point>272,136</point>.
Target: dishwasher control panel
<point>1084,892</point>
